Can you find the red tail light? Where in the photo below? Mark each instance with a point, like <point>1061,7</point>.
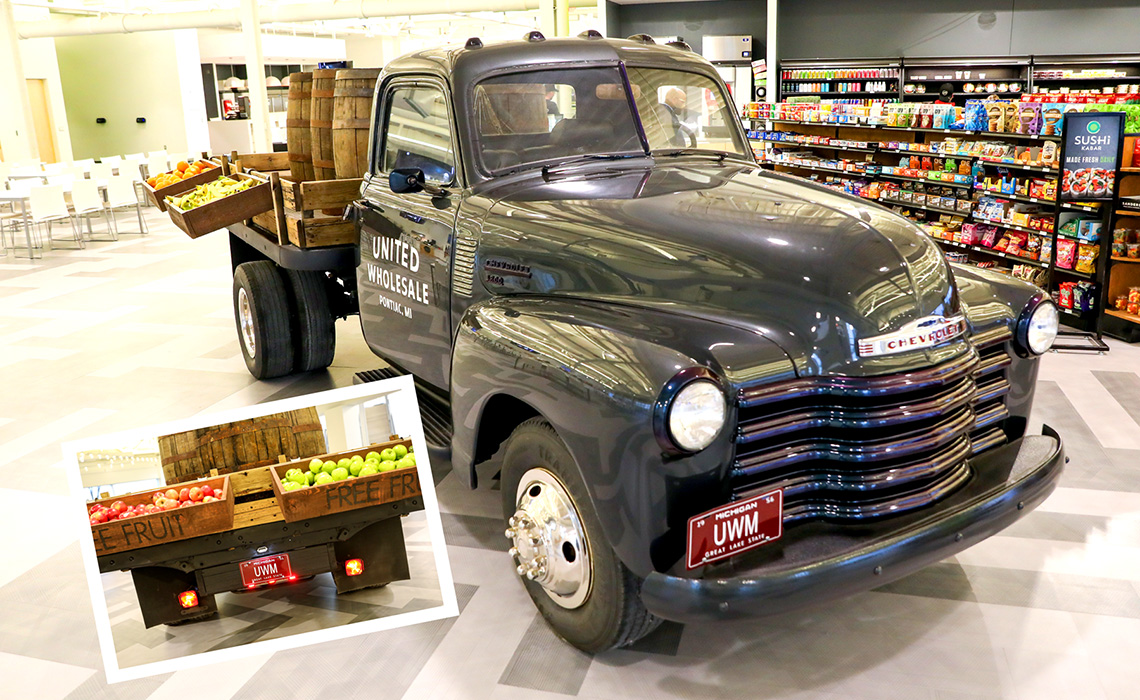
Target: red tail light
<point>188,599</point>
<point>354,567</point>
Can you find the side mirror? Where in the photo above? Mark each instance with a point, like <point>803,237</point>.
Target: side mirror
<point>406,180</point>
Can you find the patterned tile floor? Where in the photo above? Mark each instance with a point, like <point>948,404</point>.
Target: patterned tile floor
<point>140,331</point>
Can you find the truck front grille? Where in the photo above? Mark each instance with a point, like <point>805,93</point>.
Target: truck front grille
<point>853,448</point>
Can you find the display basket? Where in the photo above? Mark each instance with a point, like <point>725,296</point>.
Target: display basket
<point>164,526</point>
<point>350,494</point>
<point>158,196</point>
<point>223,212</point>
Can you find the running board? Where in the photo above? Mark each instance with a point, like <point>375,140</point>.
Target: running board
<point>435,411</point>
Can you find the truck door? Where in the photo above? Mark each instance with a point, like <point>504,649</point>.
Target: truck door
<point>405,239</point>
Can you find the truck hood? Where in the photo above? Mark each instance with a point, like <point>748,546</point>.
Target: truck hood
<point>812,270</point>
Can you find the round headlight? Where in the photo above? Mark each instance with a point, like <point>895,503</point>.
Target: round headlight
<point>696,415</point>
<point>1040,329</point>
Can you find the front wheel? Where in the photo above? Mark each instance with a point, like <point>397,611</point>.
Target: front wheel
<point>573,576</point>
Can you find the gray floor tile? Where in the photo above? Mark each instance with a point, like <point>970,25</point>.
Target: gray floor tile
<point>544,662</point>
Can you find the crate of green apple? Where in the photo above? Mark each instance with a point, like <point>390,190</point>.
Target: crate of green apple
<point>341,481</point>
<point>168,514</point>
<point>227,200</point>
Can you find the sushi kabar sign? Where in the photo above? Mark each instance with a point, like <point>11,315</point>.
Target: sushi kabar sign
<point>1091,155</point>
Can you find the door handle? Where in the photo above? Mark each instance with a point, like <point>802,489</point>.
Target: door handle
<point>414,218</point>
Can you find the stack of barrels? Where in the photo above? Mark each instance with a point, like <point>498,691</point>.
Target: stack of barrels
<point>327,123</point>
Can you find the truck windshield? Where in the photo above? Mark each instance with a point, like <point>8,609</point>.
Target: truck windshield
<point>544,116</point>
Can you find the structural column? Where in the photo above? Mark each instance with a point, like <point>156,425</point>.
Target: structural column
<point>770,55</point>
<point>16,138</point>
<point>255,74</point>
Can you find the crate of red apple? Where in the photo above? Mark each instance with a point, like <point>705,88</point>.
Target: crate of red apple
<point>168,514</point>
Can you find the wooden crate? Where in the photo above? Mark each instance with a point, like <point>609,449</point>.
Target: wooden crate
<point>223,212</point>
<point>260,162</point>
<point>242,445</point>
<point>257,512</point>
<point>340,496</point>
<point>168,525</point>
<point>158,196</point>
<point>297,217</point>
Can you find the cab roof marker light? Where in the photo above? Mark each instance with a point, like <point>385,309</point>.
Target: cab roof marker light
<point>643,38</point>
<point>591,34</point>
<point>474,43</point>
<point>533,36</point>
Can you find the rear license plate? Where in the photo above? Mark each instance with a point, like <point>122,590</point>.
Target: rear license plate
<point>257,572</point>
<point>737,527</point>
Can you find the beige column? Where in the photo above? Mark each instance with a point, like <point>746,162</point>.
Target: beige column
<point>255,74</point>
<point>16,138</point>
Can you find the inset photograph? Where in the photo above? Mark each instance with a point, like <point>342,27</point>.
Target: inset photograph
<point>265,528</point>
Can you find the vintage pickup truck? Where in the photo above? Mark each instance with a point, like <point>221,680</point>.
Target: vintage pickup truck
<point>717,391</point>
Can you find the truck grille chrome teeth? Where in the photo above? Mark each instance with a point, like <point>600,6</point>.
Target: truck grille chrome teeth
<point>463,274</point>
<point>849,449</point>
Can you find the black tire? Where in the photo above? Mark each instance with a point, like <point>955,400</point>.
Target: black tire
<point>264,290</point>
<point>613,614</point>
<point>314,332</point>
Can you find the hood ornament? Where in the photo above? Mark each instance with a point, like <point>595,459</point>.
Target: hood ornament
<point>921,333</point>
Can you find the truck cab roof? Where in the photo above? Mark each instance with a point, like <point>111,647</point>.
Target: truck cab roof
<point>464,64</point>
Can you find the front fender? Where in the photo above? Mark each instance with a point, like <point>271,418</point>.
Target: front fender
<point>595,372</point>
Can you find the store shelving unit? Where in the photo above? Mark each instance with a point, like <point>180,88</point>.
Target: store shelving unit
<point>930,74</point>
<point>1123,272</point>
<point>828,78</point>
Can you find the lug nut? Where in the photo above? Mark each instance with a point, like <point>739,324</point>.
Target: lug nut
<point>513,551</point>
<point>510,533</point>
<point>530,574</point>
<point>512,521</point>
<point>520,570</point>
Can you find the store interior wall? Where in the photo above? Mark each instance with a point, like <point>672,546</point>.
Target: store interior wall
<point>40,63</point>
<point>121,77</point>
<point>693,20</point>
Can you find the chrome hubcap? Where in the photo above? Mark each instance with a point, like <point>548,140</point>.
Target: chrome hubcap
<point>549,545</point>
<point>245,320</point>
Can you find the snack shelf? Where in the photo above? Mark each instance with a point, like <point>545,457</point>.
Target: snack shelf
<point>819,168</point>
<point>1074,273</point>
<point>1126,212</point>
<point>909,205</point>
<point>1130,170</point>
<point>963,132</point>
<point>936,183</point>
<point>1125,260</point>
<point>991,251</point>
<point>784,142</point>
<point>1079,207</point>
<point>1015,197</point>
<point>1012,227</point>
<point>1017,166</point>
<point>834,93</point>
<point>1124,315</point>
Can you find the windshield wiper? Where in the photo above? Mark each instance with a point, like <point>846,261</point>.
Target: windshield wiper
<point>720,155</point>
<point>588,158</point>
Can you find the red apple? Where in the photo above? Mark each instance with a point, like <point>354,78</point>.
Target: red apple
<point>207,490</point>
<point>95,520</point>
<point>155,496</point>
<point>171,494</point>
<point>183,504</point>
<point>119,506</point>
<point>184,494</point>
<point>171,504</point>
<point>196,494</point>
<point>208,499</point>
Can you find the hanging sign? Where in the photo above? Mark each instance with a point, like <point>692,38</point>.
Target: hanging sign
<point>1090,155</point>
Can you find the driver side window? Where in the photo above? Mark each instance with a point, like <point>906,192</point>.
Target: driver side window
<point>417,134</point>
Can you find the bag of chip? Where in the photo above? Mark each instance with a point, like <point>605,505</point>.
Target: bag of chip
<point>1086,257</point>
<point>1066,253</point>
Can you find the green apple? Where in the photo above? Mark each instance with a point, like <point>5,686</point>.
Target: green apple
<point>355,468</point>
<point>400,451</point>
<point>405,463</point>
<point>344,462</point>
<point>373,461</point>
<point>388,455</point>
<point>311,478</point>
<point>315,465</point>
<point>339,474</point>
<point>368,470</point>
<point>324,478</point>
<point>372,455</point>
<point>412,457</point>
<point>356,458</point>
<point>328,466</point>
<point>299,478</point>
<point>289,474</point>
<point>386,466</point>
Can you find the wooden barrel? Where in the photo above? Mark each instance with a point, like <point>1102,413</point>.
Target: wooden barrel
<point>298,130</point>
<point>324,83</point>
<point>241,445</point>
<point>352,118</point>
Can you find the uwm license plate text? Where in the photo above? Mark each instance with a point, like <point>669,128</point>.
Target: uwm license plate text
<point>737,527</point>
<point>265,570</point>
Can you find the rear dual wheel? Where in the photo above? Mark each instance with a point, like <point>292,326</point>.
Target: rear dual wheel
<point>283,320</point>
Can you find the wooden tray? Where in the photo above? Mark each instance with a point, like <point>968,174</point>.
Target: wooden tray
<point>229,210</point>
<point>340,496</point>
<point>297,217</point>
<point>260,162</point>
<point>165,526</point>
<point>158,196</point>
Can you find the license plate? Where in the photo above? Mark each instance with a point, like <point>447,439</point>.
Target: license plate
<point>257,572</point>
<point>737,527</point>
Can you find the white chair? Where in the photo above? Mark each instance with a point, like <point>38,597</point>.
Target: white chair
<point>113,161</point>
<point>64,181</point>
<point>85,163</point>
<point>156,165</point>
<point>102,171</point>
<point>5,170</point>
<point>85,201</point>
<point>76,171</point>
<point>121,195</point>
<point>48,207</point>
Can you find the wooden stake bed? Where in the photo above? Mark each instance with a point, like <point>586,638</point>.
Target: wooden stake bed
<point>297,217</point>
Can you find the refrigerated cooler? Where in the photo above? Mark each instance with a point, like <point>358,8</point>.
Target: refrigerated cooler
<point>732,56</point>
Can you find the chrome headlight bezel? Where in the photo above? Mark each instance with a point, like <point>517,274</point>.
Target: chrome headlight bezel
<point>1029,334</point>
<point>673,396</point>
